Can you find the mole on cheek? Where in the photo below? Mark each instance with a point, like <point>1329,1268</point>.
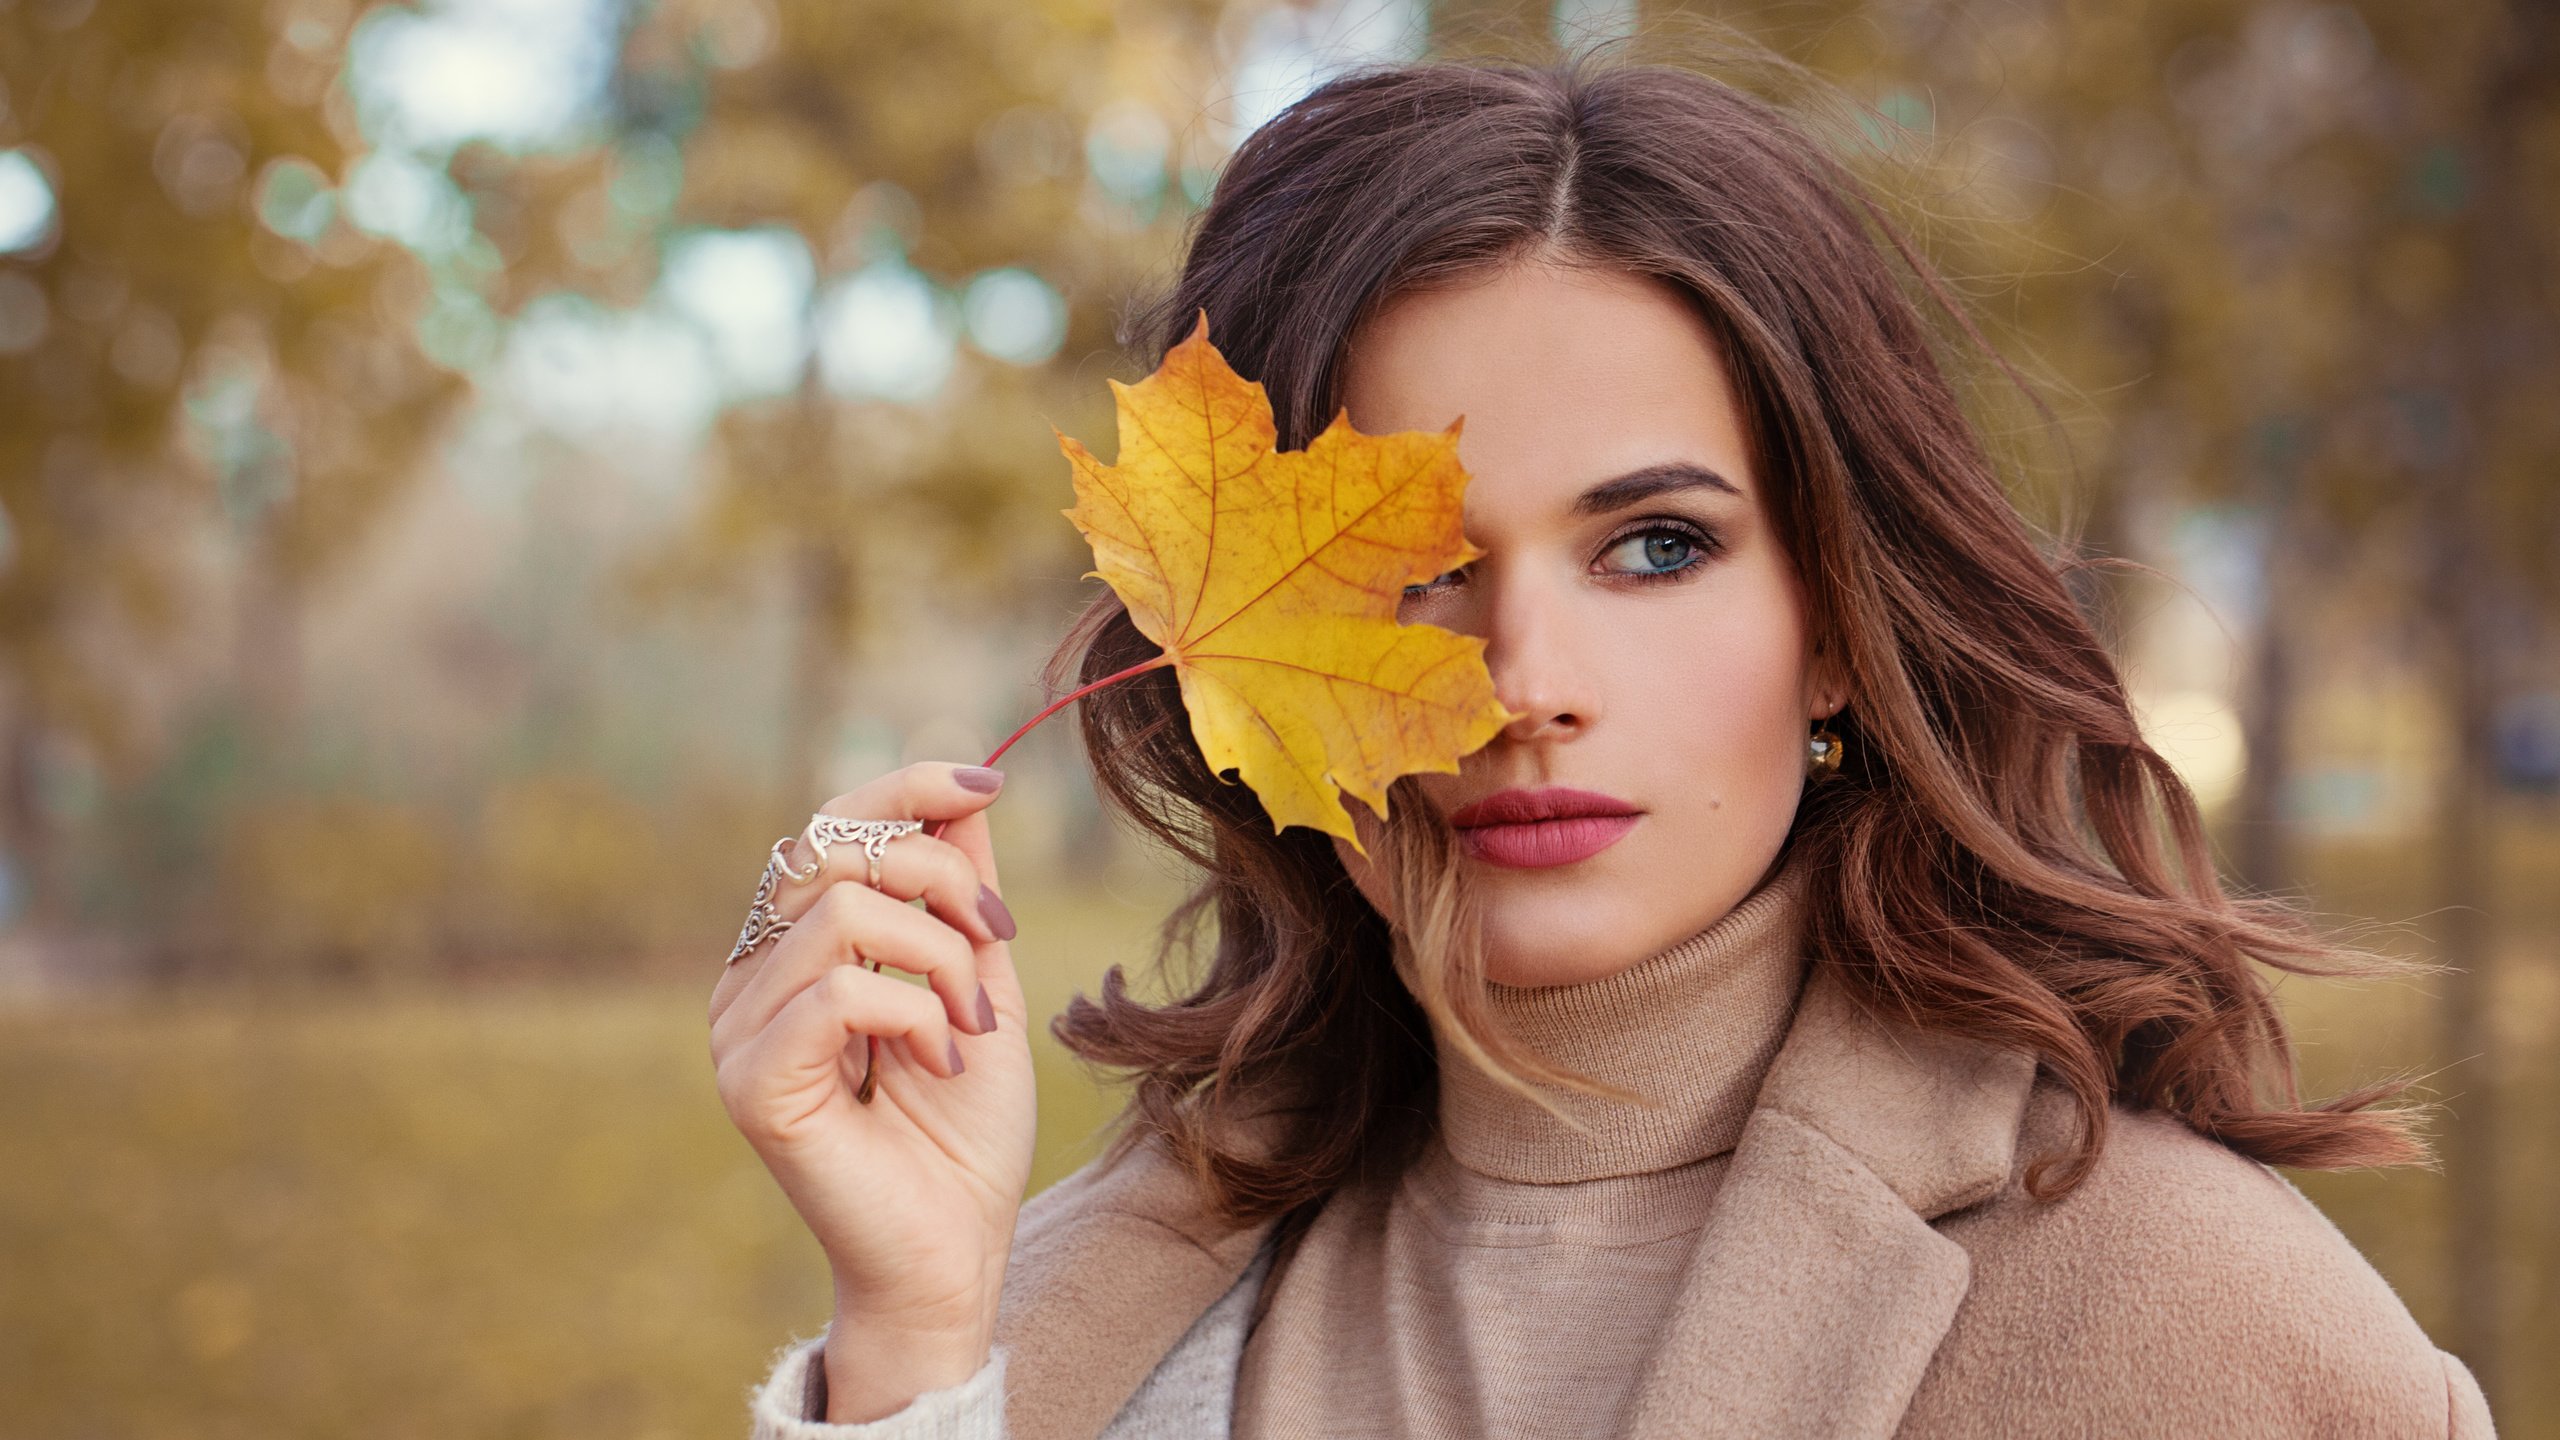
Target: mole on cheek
<point>1715,802</point>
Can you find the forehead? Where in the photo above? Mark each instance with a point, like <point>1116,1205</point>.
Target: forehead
<point>1565,377</point>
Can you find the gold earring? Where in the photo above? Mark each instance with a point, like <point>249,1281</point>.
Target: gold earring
<point>1822,752</point>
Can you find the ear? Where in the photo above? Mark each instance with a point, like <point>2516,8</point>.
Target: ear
<point>1826,681</point>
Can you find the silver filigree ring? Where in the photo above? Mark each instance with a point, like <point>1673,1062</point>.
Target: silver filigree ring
<point>764,920</point>
<point>824,830</point>
<point>764,917</point>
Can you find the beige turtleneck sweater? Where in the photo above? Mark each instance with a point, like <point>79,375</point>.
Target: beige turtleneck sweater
<point>1512,1280</point>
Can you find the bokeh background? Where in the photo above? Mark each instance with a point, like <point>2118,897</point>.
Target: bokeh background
<point>473,472</point>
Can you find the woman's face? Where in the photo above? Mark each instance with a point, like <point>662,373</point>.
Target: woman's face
<point>1635,601</point>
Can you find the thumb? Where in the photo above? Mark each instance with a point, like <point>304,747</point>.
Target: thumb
<point>970,833</point>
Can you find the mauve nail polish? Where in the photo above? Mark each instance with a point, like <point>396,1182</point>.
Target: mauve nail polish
<point>998,918</point>
<point>957,1064</point>
<point>979,778</point>
<point>986,1012</point>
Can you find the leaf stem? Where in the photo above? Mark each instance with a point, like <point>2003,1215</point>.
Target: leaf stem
<point>1158,663</point>
<point>871,1043</point>
<point>1063,701</point>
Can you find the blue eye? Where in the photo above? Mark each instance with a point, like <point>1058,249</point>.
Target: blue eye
<point>1660,552</point>
<point>1416,591</point>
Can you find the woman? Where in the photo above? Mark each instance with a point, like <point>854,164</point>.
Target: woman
<point>1794,1023</point>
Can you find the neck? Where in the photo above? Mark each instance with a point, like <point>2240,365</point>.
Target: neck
<point>1693,1026</point>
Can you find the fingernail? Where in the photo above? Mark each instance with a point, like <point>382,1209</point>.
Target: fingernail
<point>986,1011</point>
<point>979,778</point>
<point>957,1064</point>
<point>992,910</point>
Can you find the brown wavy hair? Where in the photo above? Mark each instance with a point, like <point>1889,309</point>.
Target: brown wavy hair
<point>1993,855</point>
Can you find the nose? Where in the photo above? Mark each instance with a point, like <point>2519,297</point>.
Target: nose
<point>1538,662</point>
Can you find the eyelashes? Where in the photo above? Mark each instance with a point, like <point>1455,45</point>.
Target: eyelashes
<point>1703,546</point>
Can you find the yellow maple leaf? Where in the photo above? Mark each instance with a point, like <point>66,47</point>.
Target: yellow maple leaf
<point>1271,580</point>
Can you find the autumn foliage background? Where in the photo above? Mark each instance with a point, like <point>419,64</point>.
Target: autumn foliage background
<point>472,473</point>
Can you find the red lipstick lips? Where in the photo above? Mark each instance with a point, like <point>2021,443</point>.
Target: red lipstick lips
<point>1546,826</point>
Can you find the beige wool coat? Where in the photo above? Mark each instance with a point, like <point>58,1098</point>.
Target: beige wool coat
<point>1871,1267</point>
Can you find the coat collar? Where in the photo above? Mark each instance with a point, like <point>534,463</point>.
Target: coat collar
<point>1819,1290</point>
<point>1109,1267</point>
<point>1817,1295</point>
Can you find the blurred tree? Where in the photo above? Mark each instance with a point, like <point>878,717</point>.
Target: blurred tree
<point>2480,376</point>
<point>2297,258</point>
<point>947,171</point>
<point>201,338</point>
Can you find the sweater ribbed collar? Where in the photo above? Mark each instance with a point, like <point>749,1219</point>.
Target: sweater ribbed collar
<point>1695,1025</point>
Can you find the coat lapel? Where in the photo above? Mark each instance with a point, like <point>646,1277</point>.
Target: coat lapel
<point>1110,1267</point>
<point>1819,1290</point>
<point>1818,1293</point>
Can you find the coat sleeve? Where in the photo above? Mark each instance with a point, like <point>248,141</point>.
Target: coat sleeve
<point>792,1404</point>
<point>2181,1289</point>
<point>2466,1407</point>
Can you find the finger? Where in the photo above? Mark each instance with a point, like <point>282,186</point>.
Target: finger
<point>926,790</point>
<point>735,974</point>
<point>853,922</point>
<point>974,838</point>
<point>811,1034</point>
<point>911,867</point>
<point>849,1002</point>
<point>969,835</point>
<point>724,993</point>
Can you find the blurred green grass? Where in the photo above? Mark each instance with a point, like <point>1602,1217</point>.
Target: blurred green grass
<point>519,1211</point>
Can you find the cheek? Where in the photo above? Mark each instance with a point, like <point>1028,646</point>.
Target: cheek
<point>1717,689</point>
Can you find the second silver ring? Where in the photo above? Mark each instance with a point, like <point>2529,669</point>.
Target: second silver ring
<point>824,830</point>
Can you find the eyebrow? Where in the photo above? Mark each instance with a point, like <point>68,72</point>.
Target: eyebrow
<point>1637,486</point>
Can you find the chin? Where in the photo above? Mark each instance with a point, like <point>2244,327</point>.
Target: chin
<point>1524,945</point>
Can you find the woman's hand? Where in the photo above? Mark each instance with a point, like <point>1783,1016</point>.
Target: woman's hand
<point>912,1196</point>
